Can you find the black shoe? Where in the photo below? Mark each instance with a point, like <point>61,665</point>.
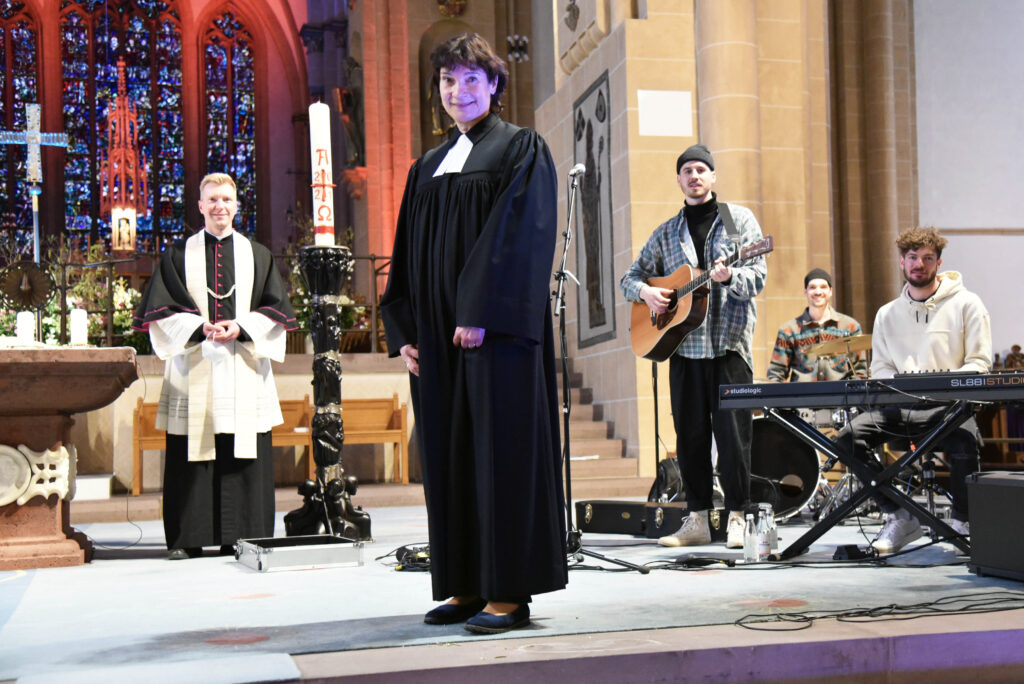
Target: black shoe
<point>486,623</point>
<point>182,554</point>
<point>451,613</point>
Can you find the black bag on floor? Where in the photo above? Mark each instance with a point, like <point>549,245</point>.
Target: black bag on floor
<point>668,482</point>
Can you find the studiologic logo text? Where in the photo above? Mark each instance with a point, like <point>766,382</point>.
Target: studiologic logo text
<point>742,390</point>
<point>991,381</point>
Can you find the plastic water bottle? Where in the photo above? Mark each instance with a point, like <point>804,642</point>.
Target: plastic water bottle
<point>773,530</point>
<point>764,539</point>
<point>749,540</point>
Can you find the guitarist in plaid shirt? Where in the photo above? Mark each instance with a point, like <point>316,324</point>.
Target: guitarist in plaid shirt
<point>718,352</point>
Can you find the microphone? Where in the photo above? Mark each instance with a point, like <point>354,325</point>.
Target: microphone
<point>577,170</point>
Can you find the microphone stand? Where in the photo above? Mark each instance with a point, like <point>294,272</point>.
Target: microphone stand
<point>574,538</point>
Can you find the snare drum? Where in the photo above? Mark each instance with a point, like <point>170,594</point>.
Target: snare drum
<point>783,468</point>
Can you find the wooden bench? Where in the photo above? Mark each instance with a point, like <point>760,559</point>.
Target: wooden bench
<point>367,421</point>
<point>379,421</point>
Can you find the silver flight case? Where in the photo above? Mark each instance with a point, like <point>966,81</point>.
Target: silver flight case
<point>298,553</point>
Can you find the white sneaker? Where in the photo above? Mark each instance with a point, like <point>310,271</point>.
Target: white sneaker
<point>734,530</point>
<point>694,532</point>
<point>961,527</point>
<point>900,529</point>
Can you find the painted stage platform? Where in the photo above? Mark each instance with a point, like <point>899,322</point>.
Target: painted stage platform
<point>131,615</point>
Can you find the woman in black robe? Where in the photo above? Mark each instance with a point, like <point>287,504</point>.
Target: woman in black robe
<point>467,307</point>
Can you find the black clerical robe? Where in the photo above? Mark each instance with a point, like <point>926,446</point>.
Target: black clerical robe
<point>216,502</point>
<point>475,248</point>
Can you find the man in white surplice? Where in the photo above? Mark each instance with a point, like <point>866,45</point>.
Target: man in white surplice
<point>217,311</point>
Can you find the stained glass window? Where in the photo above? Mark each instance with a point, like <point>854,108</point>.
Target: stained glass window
<point>147,35</point>
<point>230,98</point>
<point>19,85</point>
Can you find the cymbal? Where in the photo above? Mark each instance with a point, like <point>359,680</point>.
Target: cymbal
<point>841,345</point>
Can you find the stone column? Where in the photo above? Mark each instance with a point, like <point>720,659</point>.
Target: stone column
<point>879,147</point>
<point>728,98</point>
<point>875,171</point>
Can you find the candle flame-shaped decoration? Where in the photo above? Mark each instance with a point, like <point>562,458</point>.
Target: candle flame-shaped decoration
<point>323,176</point>
<point>124,189</point>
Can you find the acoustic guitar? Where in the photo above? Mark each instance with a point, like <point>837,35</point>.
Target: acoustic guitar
<point>657,336</point>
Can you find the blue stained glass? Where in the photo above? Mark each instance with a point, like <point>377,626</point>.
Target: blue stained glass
<point>146,34</point>
<point>230,112</point>
<point>18,86</point>
<point>9,8</point>
<point>168,99</point>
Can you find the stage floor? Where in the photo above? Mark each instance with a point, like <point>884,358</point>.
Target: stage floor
<point>131,614</point>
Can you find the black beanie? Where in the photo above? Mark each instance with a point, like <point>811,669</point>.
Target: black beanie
<point>696,152</point>
<point>817,274</point>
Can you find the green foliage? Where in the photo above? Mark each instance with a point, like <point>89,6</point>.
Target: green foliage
<point>87,289</point>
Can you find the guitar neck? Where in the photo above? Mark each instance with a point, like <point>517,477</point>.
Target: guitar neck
<point>699,281</point>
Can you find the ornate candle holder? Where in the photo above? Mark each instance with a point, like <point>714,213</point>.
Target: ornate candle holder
<point>327,502</point>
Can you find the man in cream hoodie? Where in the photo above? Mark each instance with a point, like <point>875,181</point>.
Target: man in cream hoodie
<point>935,324</point>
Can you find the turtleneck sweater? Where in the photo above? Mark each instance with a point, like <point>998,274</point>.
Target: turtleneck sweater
<point>699,219</point>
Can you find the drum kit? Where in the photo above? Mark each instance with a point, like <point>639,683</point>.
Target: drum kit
<point>788,470</point>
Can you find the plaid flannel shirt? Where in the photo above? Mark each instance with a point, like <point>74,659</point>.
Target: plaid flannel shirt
<point>729,324</point>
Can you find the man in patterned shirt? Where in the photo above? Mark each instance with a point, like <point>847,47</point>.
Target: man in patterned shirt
<point>818,323</point>
<point>718,352</point>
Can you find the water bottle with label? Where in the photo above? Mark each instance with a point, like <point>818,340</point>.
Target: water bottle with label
<point>764,540</point>
<point>773,530</point>
<point>749,540</point>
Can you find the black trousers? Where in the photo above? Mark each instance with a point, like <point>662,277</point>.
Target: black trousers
<point>902,427</point>
<point>694,384</point>
<point>213,503</point>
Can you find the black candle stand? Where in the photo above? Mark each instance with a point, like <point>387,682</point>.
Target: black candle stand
<point>327,506</point>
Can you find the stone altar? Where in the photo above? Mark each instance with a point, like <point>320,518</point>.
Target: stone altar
<point>40,389</point>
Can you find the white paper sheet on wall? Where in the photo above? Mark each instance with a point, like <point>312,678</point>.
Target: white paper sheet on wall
<point>665,112</point>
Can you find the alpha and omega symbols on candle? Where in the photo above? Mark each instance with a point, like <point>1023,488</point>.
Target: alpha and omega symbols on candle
<point>323,177</point>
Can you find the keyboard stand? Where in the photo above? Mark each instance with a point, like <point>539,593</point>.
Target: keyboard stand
<point>872,482</point>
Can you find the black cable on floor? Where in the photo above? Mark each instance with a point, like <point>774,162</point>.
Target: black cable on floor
<point>958,604</point>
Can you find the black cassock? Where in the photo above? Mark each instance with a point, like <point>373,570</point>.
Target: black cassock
<point>213,503</point>
<point>475,248</point>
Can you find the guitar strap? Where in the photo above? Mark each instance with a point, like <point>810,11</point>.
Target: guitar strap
<point>730,225</point>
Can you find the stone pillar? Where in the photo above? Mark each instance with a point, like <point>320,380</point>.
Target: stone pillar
<point>728,96</point>
<point>879,147</point>
<point>763,106</point>
<point>875,171</point>
<point>386,78</point>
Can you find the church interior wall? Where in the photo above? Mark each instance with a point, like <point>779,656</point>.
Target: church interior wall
<point>968,141</point>
<point>636,55</point>
<point>772,154</point>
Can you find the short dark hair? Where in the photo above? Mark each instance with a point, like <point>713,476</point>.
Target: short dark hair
<point>916,238</point>
<point>473,51</point>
